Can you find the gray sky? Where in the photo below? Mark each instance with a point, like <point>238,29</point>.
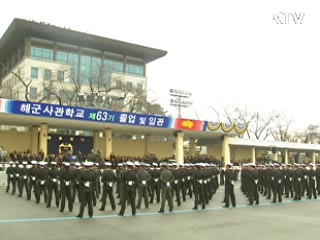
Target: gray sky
<point>224,52</point>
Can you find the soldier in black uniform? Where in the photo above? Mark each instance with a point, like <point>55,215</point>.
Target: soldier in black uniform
<point>177,183</point>
<point>155,183</point>
<point>312,182</point>
<point>66,178</point>
<point>229,176</point>
<point>253,178</point>
<point>304,181</point>
<point>23,179</point>
<point>10,175</point>
<point>277,178</point>
<point>76,172</point>
<point>222,176</point>
<point>41,183</point>
<point>16,176</point>
<point>143,179</point>
<point>86,180</point>
<point>166,179</point>
<point>122,169</point>
<point>95,184</point>
<point>288,181</point>
<point>297,175</point>
<point>198,186</point>
<point>53,185</point>
<point>32,179</point>
<point>108,178</point>
<point>129,190</point>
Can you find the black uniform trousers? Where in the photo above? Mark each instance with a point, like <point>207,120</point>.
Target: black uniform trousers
<point>198,191</point>
<point>66,193</point>
<point>86,198</point>
<point>229,194</point>
<point>129,193</point>
<point>107,191</point>
<point>53,187</point>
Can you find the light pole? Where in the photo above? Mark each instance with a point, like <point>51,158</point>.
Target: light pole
<point>179,99</point>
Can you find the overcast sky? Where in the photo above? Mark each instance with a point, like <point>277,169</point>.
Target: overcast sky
<point>224,52</point>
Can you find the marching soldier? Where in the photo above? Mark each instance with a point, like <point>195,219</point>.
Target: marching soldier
<point>16,176</point>
<point>65,187</point>
<point>155,183</point>
<point>129,190</point>
<point>304,181</point>
<point>198,187</point>
<point>23,180</point>
<point>288,181</point>
<point>166,179</point>
<point>32,180</point>
<point>177,183</point>
<point>253,178</point>
<point>53,185</point>
<point>86,180</point>
<point>143,179</point>
<point>10,175</point>
<point>312,182</point>
<point>277,178</point>
<point>297,176</point>
<point>229,176</point>
<point>42,178</point>
<point>108,178</point>
<point>76,172</point>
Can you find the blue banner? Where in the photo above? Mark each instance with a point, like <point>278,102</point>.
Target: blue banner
<point>84,114</point>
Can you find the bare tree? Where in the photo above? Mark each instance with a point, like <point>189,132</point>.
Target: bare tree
<point>7,91</point>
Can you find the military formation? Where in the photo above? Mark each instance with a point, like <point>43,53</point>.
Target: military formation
<point>275,181</point>
<point>134,184</point>
<point>138,184</point>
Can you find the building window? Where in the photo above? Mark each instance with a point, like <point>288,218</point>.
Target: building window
<point>129,86</point>
<point>135,69</point>
<point>139,88</point>
<point>119,84</point>
<point>60,76</point>
<point>72,60</point>
<point>47,74</point>
<point>46,93</point>
<point>113,66</point>
<point>34,72</point>
<point>33,93</point>
<point>42,53</point>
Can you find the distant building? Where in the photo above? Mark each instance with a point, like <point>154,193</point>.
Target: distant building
<point>63,66</point>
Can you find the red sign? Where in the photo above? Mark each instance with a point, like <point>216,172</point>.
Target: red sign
<point>191,125</point>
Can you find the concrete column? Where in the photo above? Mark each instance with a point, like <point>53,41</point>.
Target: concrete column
<point>179,147</point>
<point>96,137</point>
<point>313,157</point>
<point>286,156</point>
<point>108,143</point>
<point>43,139</point>
<point>146,143</point>
<point>226,150</point>
<point>34,140</point>
<point>275,156</point>
<point>27,47</point>
<point>192,147</point>
<point>253,155</point>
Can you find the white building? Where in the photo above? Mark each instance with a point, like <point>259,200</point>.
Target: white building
<point>42,62</point>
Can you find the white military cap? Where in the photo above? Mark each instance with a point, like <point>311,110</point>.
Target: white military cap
<point>88,164</point>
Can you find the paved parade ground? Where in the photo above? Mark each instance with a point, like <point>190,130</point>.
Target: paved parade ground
<point>22,219</point>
